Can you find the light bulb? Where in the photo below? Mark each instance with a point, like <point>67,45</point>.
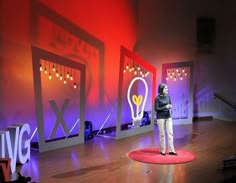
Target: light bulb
<point>50,76</point>
<point>40,68</point>
<point>67,75</point>
<point>138,101</point>
<point>75,85</point>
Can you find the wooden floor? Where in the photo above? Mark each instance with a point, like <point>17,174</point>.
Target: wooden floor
<point>104,160</point>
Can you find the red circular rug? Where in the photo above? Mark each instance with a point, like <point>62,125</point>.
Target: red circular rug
<point>152,155</point>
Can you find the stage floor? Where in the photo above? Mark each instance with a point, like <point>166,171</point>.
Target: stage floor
<point>105,159</point>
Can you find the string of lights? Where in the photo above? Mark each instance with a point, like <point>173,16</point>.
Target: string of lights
<point>131,66</point>
<point>65,74</point>
<point>176,74</point>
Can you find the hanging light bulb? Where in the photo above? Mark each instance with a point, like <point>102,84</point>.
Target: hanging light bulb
<point>71,77</point>
<point>168,72</point>
<point>45,70</point>
<point>127,66</point>
<point>133,67</point>
<point>144,73</point>
<point>174,78</point>
<point>40,67</point>
<point>138,68</point>
<point>49,71</point>
<point>53,68</point>
<point>167,78</point>
<point>61,77</point>
<point>124,70</point>
<point>68,75</point>
<point>64,81</point>
<point>45,67</point>
<point>57,74</point>
<point>141,72</point>
<point>147,73</point>
<point>75,86</point>
<point>181,78</point>
<point>135,72</point>
<point>173,72</point>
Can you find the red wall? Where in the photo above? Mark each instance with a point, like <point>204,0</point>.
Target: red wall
<point>111,22</point>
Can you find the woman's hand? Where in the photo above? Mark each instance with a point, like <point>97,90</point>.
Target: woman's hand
<point>169,106</point>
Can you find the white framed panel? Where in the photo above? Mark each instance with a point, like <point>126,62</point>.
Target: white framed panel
<point>58,109</point>
<point>179,78</point>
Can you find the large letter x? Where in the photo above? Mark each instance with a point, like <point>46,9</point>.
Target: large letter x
<point>60,119</point>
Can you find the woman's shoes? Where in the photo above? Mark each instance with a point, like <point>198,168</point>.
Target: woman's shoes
<point>173,153</point>
<point>170,153</point>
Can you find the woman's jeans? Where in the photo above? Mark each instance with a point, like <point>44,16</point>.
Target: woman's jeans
<point>166,125</point>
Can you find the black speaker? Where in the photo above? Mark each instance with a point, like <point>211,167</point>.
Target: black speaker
<point>206,31</point>
<point>145,119</point>
<point>88,130</point>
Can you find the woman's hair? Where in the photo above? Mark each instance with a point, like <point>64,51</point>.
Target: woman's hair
<point>161,87</point>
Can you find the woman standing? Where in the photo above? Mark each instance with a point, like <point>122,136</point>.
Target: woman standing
<point>164,120</point>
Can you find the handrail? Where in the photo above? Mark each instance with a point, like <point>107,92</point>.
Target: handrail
<point>224,100</point>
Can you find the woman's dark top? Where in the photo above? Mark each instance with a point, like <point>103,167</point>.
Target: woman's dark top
<point>161,111</point>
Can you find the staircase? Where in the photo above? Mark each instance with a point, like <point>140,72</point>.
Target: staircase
<point>228,112</point>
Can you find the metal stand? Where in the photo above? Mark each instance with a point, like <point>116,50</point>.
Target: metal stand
<point>73,127</point>
<point>106,122</point>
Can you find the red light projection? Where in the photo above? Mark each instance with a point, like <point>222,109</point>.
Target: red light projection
<point>54,33</point>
